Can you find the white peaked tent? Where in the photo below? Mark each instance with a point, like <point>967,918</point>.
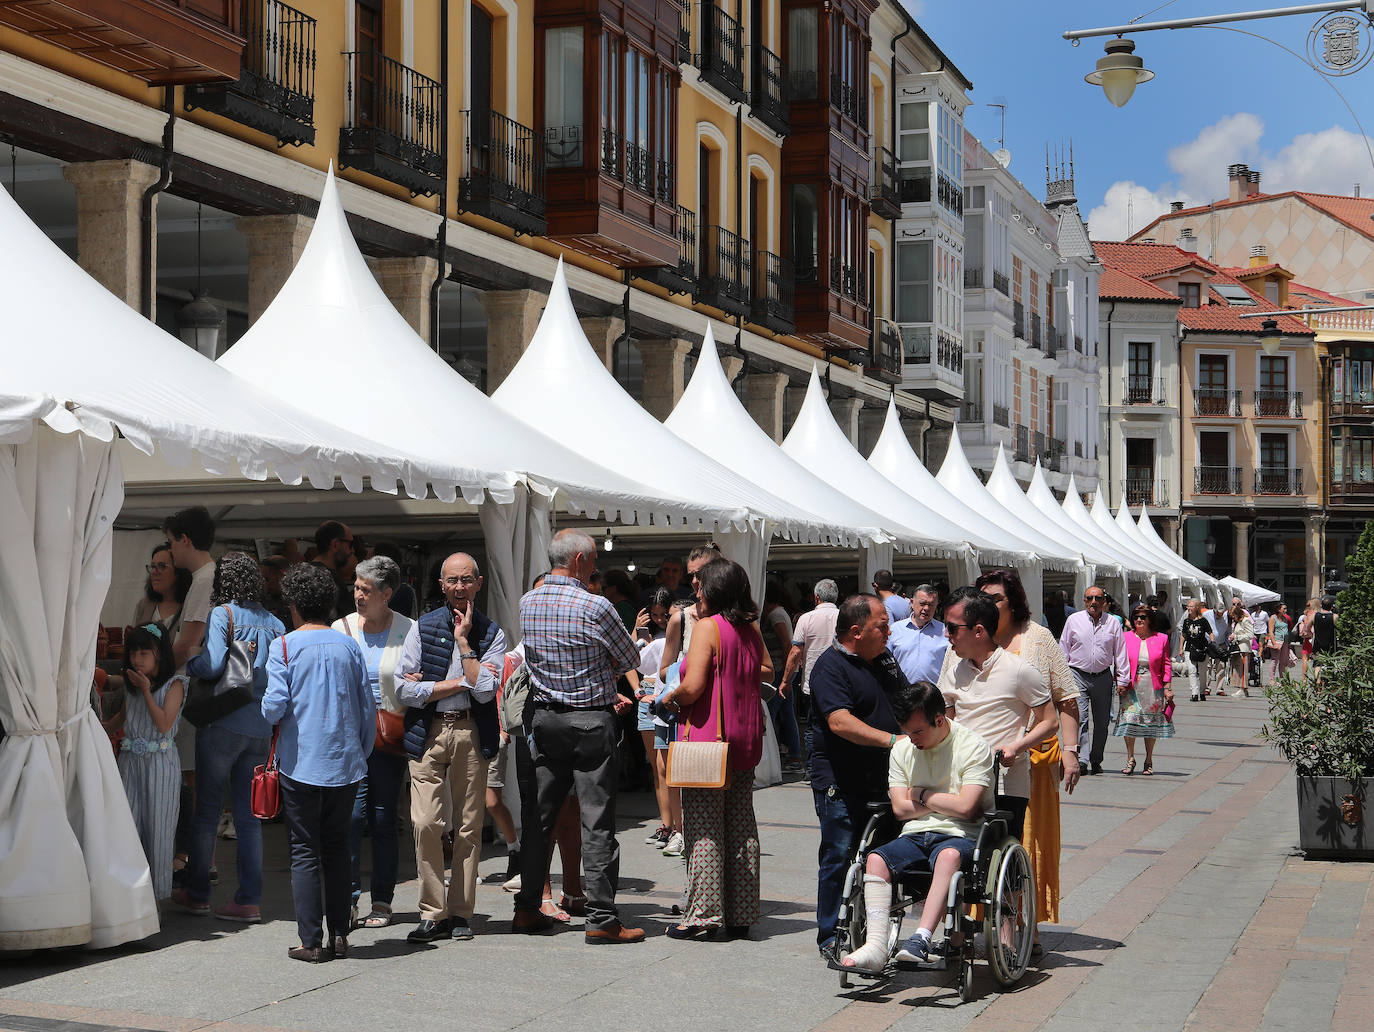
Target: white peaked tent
<point>1132,567</point>
<point>562,388</point>
<point>399,392</point>
<point>817,442</point>
<point>1211,591</point>
<point>1250,594</point>
<point>1101,515</point>
<point>1105,566</point>
<point>1189,580</point>
<point>710,417</point>
<point>72,871</point>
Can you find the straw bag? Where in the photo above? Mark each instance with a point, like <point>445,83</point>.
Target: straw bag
<point>700,764</point>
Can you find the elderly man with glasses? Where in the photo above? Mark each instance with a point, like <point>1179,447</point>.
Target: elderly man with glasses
<point>1095,645</point>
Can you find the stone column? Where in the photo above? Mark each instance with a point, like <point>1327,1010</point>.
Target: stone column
<point>512,316</point>
<point>937,444</point>
<point>792,401</point>
<point>602,333</point>
<point>407,282</point>
<point>665,373</point>
<point>915,428</point>
<point>109,198</point>
<point>1242,549</point>
<point>870,426</point>
<point>731,366</point>
<point>846,412</point>
<point>764,395</point>
<point>1316,554</point>
<point>275,243</point>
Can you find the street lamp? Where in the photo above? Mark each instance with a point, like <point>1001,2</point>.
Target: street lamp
<point>609,543</point>
<point>1269,336</point>
<point>1119,72</point>
<point>198,323</point>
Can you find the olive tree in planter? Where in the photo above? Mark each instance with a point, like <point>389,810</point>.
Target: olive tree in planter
<point>1325,727</point>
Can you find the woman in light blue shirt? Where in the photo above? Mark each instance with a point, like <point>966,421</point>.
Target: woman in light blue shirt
<point>317,688</point>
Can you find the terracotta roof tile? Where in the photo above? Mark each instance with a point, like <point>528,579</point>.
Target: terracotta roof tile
<point>1355,212</point>
<point>1115,285</point>
<point>1250,272</point>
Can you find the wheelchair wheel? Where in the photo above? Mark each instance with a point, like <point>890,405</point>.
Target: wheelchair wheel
<point>1009,920</point>
<point>965,979</point>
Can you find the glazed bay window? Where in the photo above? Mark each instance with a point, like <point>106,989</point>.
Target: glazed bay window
<point>914,151</point>
<point>848,69</point>
<point>915,288</point>
<point>804,215</point>
<point>803,53</point>
<point>950,160</point>
<point>564,131</point>
<point>637,109</point>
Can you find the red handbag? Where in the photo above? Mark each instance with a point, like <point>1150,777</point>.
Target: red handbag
<point>264,797</point>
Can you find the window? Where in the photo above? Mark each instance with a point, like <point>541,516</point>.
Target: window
<point>914,282</point>
<point>1213,394</point>
<point>805,228</point>
<point>637,110</point>
<point>803,52</point>
<point>563,127</point>
<point>913,152</point>
<point>1191,293</point>
<point>1273,451</point>
<point>1140,362</point>
<point>1234,294</point>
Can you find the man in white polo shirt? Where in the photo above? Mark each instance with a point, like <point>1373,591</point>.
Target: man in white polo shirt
<point>995,694</point>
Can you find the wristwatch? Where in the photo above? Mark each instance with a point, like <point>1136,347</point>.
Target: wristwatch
<point>921,799</point>
<point>470,654</point>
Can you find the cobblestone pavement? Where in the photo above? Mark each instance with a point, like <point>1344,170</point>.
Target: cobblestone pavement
<point>1186,907</point>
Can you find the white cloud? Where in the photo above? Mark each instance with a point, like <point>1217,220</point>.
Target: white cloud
<point>1330,161</point>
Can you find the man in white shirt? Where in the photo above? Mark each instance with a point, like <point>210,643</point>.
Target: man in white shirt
<point>918,643</point>
<point>995,694</point>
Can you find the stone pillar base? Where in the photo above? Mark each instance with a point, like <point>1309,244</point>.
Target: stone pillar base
<point>512,316</point>
<point>275,243</point>
<point>846,411</point>
<point>407,282</point>
<point>109,196</point>
<point>602,333</point>
<point>665,373</point>
<point>764,398</point>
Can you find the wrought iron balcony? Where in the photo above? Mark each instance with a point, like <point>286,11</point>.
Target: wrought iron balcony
<point>849,100</point>
<point>949,352</point>
<point>916,342</point>
<point>1146,390</point>
<point>1217,480</point>
<point>628,162</point>
<point>723,271</point>
<point>1058,452</point>
<point>1018,320</point>
<point>391,122</point>
<point>1143,488</point>
<point>275,91</point>
<point>1035,338</point>
<point>680,278</point>
<point>973,278</point>
<point>1022,452</point>
<point>885,354</point>
<point>915,186</point>
<point>774,292</point>
<point>1216,401</point>
<point>768,93</point>
<point>721,59</point>
<point>684,31</point>
<point>950,195</point>
<point>1278,480</point>
<point>1001,283</point>
<point>1077,449</point>
<point>1272,404</point>
<point>564,146</point>
<point>1054,340</point>
<point>503,177</point>
<point>845,279</point>
<point>1078,343</point>
<point>885,189</point>
<point>971,412</point>
<point>1001,415</point>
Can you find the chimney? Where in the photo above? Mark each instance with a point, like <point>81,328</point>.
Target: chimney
<point>1175,206</point>
<point>1187,239</point>
<point>1252,181</point>
<point>1239,176</point>
<point>1259,255</point>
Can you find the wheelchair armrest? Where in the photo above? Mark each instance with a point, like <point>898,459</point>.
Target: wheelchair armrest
<point>879,806</point>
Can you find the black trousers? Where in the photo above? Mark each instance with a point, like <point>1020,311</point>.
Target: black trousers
<point>317,819</point>
<point>576,749</point>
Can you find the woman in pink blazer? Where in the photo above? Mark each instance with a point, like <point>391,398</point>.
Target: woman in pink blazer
<point>1146,707</point>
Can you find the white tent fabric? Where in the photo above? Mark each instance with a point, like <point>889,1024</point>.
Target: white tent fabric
<point>1250,594</point>
<point>1078,514</point>
<point>1188,579</point>
<point>817,442</point>
<point>1101,517</point>
<point>1208,583</point>
<point>560,387</point>
<point>1104,565</point>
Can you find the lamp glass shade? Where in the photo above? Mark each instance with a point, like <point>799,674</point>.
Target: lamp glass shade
<point>1269,336</point>
<point>1119,72</point>
<point>198,325</point>
<point>1119,85</point>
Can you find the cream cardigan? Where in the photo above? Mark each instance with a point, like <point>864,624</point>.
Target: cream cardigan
<point>391,654</point>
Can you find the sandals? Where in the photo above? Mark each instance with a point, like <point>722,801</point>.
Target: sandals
<point>552,910</point>
<point>379,918</point>
<point>1130,766</point>
<point>1148,769</point>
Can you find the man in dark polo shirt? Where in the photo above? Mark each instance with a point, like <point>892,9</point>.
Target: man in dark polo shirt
<point>853,731</point>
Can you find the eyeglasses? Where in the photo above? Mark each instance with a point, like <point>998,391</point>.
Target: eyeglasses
<point>951,625</point>
<point>1090,599</point>
<point>158,567</point>
<point>465,581</point>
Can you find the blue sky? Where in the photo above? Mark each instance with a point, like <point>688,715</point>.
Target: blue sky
<point>1218,97</point>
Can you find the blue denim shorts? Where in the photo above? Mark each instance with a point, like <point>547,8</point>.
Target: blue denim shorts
<point>908,853</point>
<point>645,721</point>
<point>664,735</point>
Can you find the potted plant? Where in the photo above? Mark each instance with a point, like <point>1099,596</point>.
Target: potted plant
<point>1325,726</point>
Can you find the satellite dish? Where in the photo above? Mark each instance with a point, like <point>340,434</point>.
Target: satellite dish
<point>1002,156</point>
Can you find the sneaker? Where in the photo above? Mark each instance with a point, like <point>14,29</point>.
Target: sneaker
<point>675,845</point>
<point>916,950</point>
<point>226,827</point>
<point>183,899</point>
<point>659,837</point>
<point>512,884</point>
<point>241,912</point>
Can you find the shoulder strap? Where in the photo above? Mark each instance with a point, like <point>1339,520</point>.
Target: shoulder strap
<point>229,615</point>
<point>283,649</point>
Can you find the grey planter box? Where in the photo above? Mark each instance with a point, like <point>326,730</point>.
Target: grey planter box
<point>1326,809</point>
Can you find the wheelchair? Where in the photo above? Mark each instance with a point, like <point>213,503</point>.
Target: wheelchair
<point>998,877</point>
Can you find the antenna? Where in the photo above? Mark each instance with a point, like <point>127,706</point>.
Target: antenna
<point>1001,105</point>
<point>1130,214</point>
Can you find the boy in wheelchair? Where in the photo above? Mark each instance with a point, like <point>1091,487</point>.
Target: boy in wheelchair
<point>940,779</point>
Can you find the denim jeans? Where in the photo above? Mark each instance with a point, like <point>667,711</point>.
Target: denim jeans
<point>842,822</point>
<point>785,724</point>
<point>317,820</point>
<point>375,808</point>
<point>226,758</point>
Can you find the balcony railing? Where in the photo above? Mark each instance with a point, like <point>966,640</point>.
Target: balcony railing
<point>1216,401</point>
<point>916,343</point>
<point>845,279</point>
<point>391,122</point>
<point>1035,338</point>
<point>1078,343</point>
<point>1054,340</point>
<point>1058,451</point>
<point>1144,489</point>
<point>503,177</point>
<point>723,271</point>
<point>1001,415</point>
<point>1218,480</point>
<point>1018,320</point>
<point>721,59</point>
<point>1278,480</point>
<point>849,100</point>
<point>768,95</point>
<point>1146,390</point>
<point>1040,447</point>
<point>628,162</point>
<point>1077,449</point>
<point>950,195</point>
<point>1022,452</point>
<point>564,146</point>
<point>949,352</point>
<point>973,279</point>
<point>275,91</point>
<point>914,185</point>
<point>1001,283</point>
<point>684,31</point>
<point>971,412</point>
<point>885,355</point>
<point>885,190</point>
<point>774,290</point>
<point>680,278</point>
<point>1272,404</point>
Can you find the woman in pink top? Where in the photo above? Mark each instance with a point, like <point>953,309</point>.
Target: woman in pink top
<point>725,665</point>
<point>1146,708</point>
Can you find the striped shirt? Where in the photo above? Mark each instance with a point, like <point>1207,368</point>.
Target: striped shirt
<point>575,644</point>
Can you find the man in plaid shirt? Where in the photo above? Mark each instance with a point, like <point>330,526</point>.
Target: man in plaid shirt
<point>575,648</point>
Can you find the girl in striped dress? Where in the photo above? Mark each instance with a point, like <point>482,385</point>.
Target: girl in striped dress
<point>149,764</point>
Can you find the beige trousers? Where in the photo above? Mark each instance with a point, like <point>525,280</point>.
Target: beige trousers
<point>452,763</point>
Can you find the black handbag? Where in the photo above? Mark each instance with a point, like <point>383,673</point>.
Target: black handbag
<point>1221,650</point>
<point>209,700</point>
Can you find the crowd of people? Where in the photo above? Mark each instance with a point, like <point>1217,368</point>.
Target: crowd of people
<point>363,700</point>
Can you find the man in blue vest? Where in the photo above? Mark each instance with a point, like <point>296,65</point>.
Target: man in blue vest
<point>447,677</point>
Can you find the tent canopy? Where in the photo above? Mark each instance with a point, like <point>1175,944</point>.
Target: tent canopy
<point>1078,514</point>
<point>1187,576</point>
<point>1250,594</point>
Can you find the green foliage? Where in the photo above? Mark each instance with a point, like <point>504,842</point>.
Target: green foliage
<point>1355,607</point>
<point>1326,728</point>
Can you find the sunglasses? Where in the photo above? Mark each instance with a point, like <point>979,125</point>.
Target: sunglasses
<point>951,625</point>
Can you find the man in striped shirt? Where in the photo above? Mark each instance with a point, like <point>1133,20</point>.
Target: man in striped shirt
<point>576,646</point>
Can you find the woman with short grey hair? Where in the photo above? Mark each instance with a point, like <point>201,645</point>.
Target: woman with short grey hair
<point>380,632</point>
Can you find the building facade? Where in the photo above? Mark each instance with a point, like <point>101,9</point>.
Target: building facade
<point>707,161</point>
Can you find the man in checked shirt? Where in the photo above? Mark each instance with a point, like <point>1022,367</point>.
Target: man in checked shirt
<point>576,646</point>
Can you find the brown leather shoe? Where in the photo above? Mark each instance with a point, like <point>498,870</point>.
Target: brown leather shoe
<point>614,935</point>
<point>531,922</point>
